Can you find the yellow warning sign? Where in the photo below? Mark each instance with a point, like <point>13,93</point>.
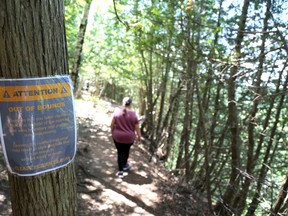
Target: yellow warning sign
<point>31,93</point>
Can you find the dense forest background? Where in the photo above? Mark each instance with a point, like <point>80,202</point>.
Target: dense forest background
<point>210,80</point>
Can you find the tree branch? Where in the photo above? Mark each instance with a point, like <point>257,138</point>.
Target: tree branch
<point>117,16</point>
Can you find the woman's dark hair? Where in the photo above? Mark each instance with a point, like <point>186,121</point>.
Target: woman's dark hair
<point>126,102</point>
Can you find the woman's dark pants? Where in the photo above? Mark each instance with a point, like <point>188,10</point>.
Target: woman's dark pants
<point>122,153</point>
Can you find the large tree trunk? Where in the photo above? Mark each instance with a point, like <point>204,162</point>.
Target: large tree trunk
<point>33,44</point>
<point>49,194</point>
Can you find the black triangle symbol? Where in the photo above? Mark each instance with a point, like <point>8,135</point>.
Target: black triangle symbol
<point>63,90</point>
<point>6,95</point>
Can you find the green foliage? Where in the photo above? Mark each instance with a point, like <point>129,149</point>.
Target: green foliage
<point>166,40</point>
<point>73,14</point>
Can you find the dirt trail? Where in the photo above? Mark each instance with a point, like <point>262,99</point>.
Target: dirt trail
<point>100,190</point>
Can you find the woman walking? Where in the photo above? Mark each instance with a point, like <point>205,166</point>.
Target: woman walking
<point>123,127</point>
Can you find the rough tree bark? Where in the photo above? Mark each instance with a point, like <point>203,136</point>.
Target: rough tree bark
<point>33,44</point>
<point>280,202</point>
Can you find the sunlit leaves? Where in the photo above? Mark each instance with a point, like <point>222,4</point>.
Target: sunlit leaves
<point>155,11</point>
<point>73,14</point>
<point>189,4</point>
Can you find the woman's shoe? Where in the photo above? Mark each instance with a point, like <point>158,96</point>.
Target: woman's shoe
<point>126,167</point>
<point>120,174</point>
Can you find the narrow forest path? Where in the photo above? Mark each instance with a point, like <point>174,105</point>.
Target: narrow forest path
<point>147,189</point>
<point>100,191</point>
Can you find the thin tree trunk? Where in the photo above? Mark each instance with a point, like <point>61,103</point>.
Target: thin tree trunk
<point>241,201</point>
<point>163,90</point>
<point>206,150</point>
<point>172,124</point>
<point>233,184</point>
<point>263,171</point>
<point>209,81</point>
<point>220,142</point>
<point>283,194</point>
<point>33,44</point>
<point>183,162</point>
<point>79,46</point>
<point>172,114</point>
<point>148,122</point>
<point>142,105</point>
